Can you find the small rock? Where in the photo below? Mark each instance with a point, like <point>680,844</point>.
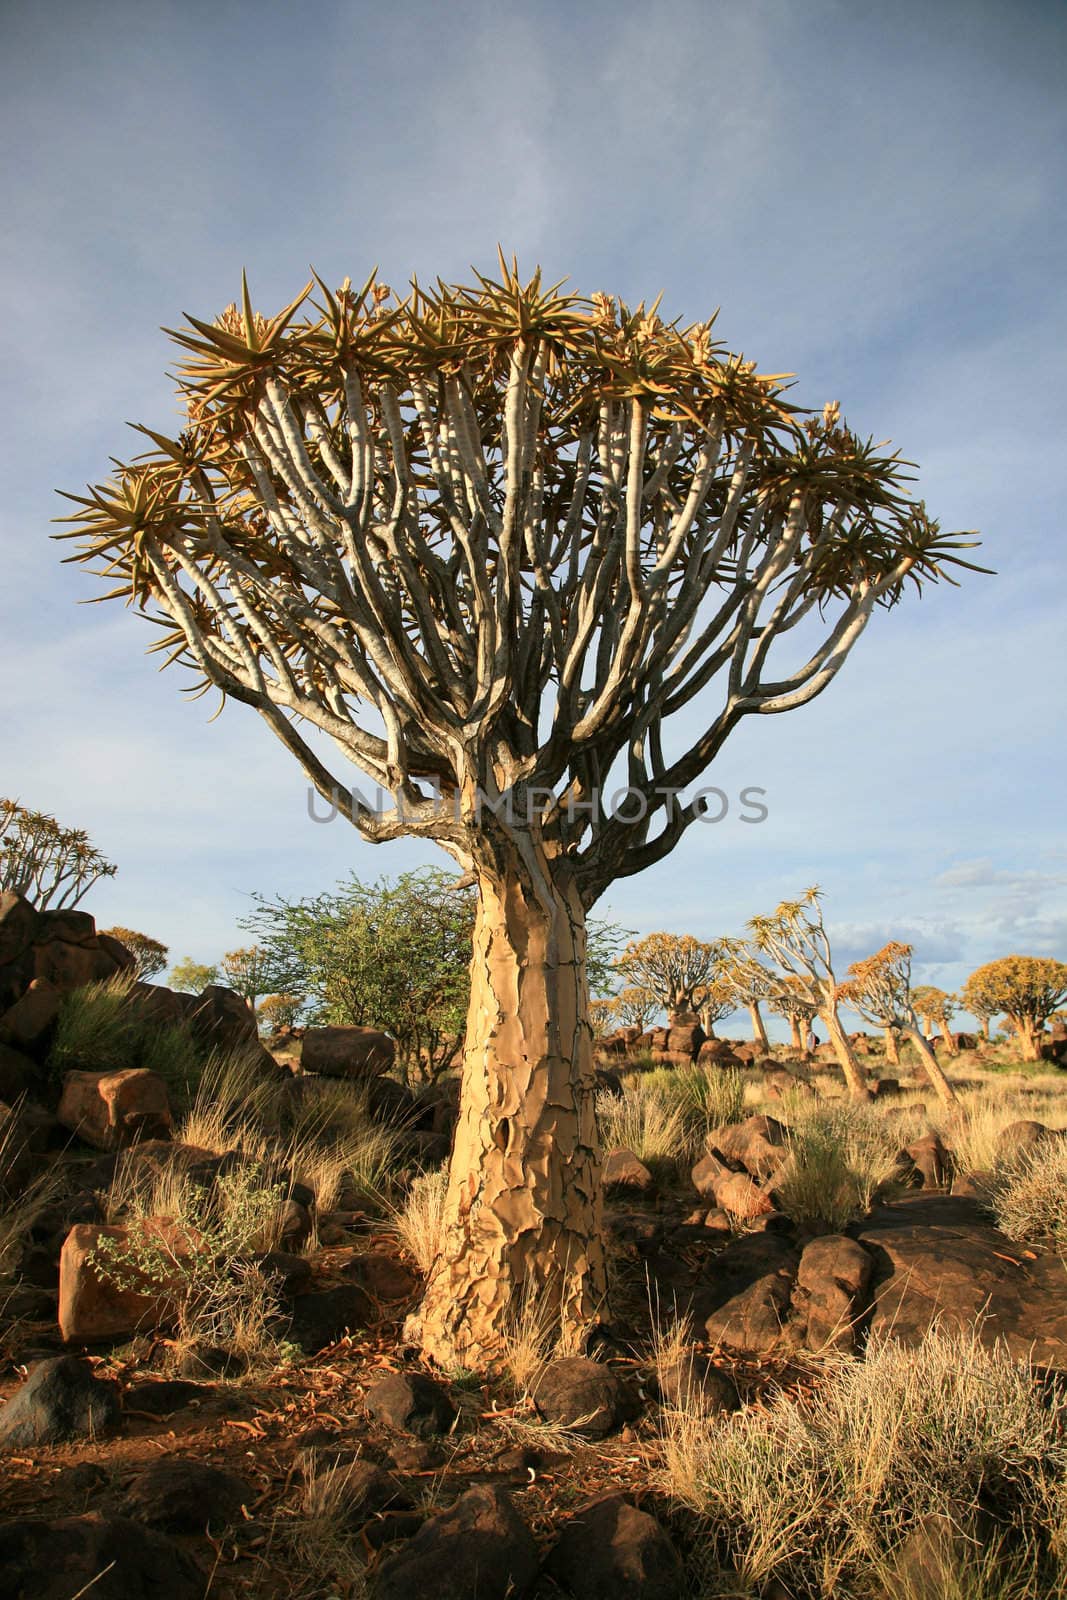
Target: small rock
<point>694,1380</point>
<point>180,1495</point>
<point>411,1402</point>
<point>1023,1138</point>
<point>323,1317</point>
<point>92,1306</point>
<point>609,1548</point>
<point>932,1160</point>
<point>60,1400</point>
<point>585,1396</point>
<point>290,1274</point>
<point>112,1109</point>
<point>161,1397</point>
<point>382,1275</point>
<point>347,1052</point>
<point>623,1171</point>
<point>478,1547</point>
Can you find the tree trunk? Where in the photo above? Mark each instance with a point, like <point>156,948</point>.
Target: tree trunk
<point>986,1030</point>
<point>892,1049</point>
<point>1028,1033</point>
<point>795,1033</point>
<point>854,1074</point>
<point>933,1070</point>
<point>946,1034</point>
<point>759,1032</point>
<point>523,1210</point>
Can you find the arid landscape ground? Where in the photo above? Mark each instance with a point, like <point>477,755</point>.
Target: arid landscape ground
<point>830,1363</point>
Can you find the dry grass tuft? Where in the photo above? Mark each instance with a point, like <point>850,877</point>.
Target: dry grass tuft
<point>419,1222</point>
<point>819,1493</point>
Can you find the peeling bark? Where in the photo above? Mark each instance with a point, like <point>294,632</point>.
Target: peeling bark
<point>522,1214</point>
<point>892,1048</point>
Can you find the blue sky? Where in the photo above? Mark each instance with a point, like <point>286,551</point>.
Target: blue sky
<point>874,196</point>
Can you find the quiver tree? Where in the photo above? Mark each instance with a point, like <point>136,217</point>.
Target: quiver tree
<point>488,540</point>
<point>1025,989</point>
<point>789,952</point>
<point>750,986</point>
<point>714,1003</point>
<point>633,1007</point>
<point>49,865</point>
<point>149,954</point>
<point>787,999</point>
<point>674,968</point>
<point>937,1008</point>
<point>879,989</point>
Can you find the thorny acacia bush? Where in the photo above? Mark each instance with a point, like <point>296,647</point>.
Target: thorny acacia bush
<point>818,1492</point>
<point>202,1262</point>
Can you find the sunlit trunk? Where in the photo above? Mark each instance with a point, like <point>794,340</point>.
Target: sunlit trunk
<point>854,1075</point>
<point>1028,1034</point>
<point>892,1049</point>
<point>522,1214</point>
<point>795,1033</point>
<point>930,1062</point>
<point>950,1043</point>
<point>759,1032</point>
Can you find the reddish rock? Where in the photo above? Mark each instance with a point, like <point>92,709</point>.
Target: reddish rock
<point>932,1160</point>
<point>72,966</point>
<point>114,1109</point>
<point>479,1546</point>
<point>223,1019</point>
<point>732,1191</point>
<point>609,1548</point>
<point>91,1305</point>
<point>758,1144</point>
<point>623,1171</point>
<point>28,1022</point>
<point>693,1380</point>
<point>18,924</point>
<point>750,1293</point>
<point>832,1281</point>
<point>18,1072</point>
<point>347,1052</point>
<point>685,1040</point>
<point>964,1275</point>
<point>717,1053</point>
<point>1024,1138</point>
<point>586,1396</point>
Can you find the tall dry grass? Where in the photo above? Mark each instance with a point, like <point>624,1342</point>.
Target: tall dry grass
<point>819,1493</point>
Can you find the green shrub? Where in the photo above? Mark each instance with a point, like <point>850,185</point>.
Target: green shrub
<point>101,1028</point>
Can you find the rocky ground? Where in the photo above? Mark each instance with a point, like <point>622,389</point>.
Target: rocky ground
<point>312,1455</point>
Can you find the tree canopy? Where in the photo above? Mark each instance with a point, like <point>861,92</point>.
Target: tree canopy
<point>50,865</point>
<point>491,538</point>
<point>1025,989</point>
